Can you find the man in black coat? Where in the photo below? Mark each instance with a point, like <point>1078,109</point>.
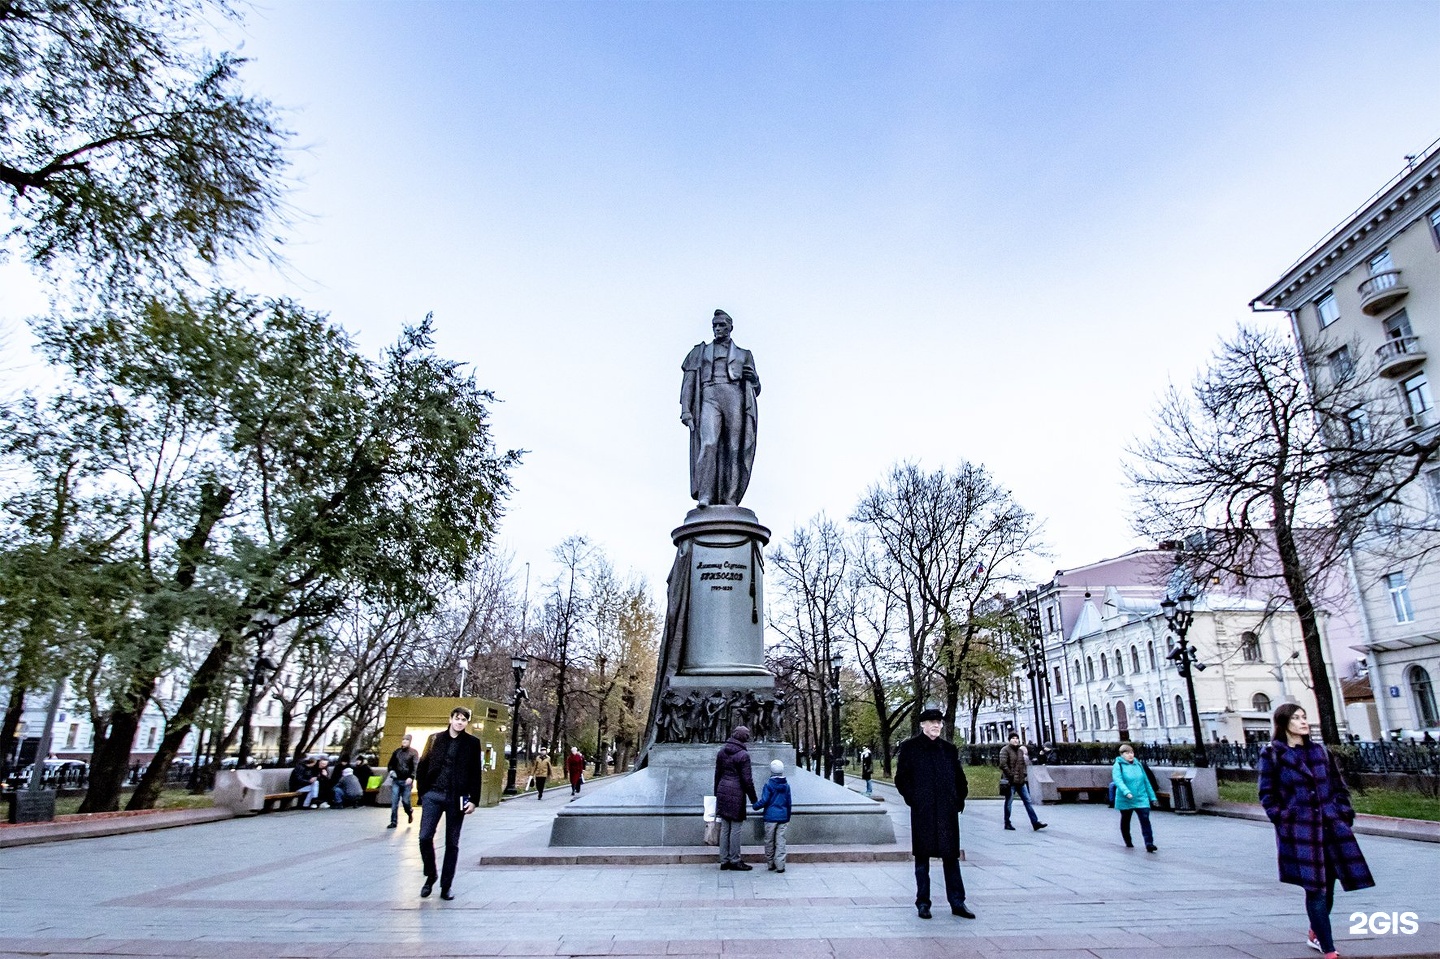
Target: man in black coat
<point>449,777</point>
<point>932,782</point>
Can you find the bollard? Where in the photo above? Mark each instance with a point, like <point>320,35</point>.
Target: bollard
<point>1182,795</point>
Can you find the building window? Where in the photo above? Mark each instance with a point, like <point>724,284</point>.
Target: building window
<point>1077,670</point>
<point>1357,425</point>
<point>1260,703</point>
<point>1109,717</point>
<point>1160,712</point>
<point>1179,711</point>
<point>1050,619</point>
<point>1435,225</point>
<point>1342,364</point>
<point>1084,725</point>
<point>1059,687</point>
<point>1150,651</point>
<point>1089,670</point>
<point>1104,667</point>
<point>1095,714</point>
<point>150,739</point>
<point>1250,647</point>
<point>1134,659</point>
<point>1416,393</point>
<point>74,733</point>
<point>1400,598</point>
<point>1119,664</point>
<point>1432,483</point>
<point>1381,262</point>
<point>1424,695</point>
<point>1327,310</point>
<point>1397,327</point>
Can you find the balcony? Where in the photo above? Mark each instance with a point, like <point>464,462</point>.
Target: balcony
<point>1382,291</point>
<point>1399,355</point>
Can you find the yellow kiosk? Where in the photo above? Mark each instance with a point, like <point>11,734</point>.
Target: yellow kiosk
<point>422,716</point>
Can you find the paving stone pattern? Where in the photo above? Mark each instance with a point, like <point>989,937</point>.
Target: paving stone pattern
<point>337,883</point>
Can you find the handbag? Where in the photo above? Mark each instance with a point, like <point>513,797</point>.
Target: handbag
<point>1004,788</point>
<point>712,822</point>
<point>1110,795</point>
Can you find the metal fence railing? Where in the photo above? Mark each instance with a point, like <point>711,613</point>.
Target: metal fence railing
<point>1372,757</point>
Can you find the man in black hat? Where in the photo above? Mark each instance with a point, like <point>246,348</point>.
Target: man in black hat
<point>932,782</point>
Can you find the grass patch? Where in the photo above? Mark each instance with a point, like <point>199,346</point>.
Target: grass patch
<point>169,799</point>
<point>984,781</point>
<point>1372,802</point>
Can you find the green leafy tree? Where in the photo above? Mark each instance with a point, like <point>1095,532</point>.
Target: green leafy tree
<point>124,150</point>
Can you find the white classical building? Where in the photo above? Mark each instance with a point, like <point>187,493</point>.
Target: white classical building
<point>1104,643</point>
<point>1368,295</point>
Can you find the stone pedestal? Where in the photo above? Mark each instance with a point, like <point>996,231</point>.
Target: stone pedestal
<point>27,806</point>
<point>725,621</point>
<point>662,804</point>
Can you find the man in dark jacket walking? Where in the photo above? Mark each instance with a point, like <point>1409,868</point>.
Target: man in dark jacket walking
<point>932,782</point>
<point>449,775</point>
<point>734,784</point>
<point>1015,769</point>
<point>401,769</point>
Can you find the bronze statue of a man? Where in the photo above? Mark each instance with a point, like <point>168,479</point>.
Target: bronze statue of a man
<point>717,403</point>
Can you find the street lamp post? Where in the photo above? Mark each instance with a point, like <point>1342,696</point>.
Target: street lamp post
<point>263,667</point>
<point>837,751</point>
<point>1035,669</point>
<point>1179,615</point>
<point>517,666</point>
<point>464,667</point>
<point>600,719</point>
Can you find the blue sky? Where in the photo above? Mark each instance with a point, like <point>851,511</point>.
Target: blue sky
<point>980,230</point>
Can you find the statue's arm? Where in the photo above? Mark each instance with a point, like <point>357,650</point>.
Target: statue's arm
<point>691,370</point>
<point>750,373</point>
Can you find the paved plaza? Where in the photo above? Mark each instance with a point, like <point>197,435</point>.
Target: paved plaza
<point>328,883</point>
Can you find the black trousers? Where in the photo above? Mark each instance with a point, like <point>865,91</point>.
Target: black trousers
<point>432,806</point>
<point>954,885</point>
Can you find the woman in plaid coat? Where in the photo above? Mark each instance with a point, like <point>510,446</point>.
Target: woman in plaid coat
<point>1306,798</point>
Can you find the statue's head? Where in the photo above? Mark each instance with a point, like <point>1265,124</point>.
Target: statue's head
<point>722,324</point>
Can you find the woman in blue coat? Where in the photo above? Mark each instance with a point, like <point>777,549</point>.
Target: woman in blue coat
<point>1133,795</point>
<point>1306,798</point>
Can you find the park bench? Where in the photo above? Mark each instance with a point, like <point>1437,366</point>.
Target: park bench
<point>274,801</point>
<point>1090,793</point>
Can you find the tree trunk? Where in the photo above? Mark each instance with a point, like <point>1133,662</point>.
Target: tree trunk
<point>282,746</point>
<point>110,759</point>
<point>1294,572</point>
<point>11,723</point>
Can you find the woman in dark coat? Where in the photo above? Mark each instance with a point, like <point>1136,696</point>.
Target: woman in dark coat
<point>734,791</point>
<point>932,782</point>
<point>1306,798</point>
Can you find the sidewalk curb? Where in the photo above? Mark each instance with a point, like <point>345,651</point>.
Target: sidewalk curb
<point>44,832</point>
<point>1418,830</point>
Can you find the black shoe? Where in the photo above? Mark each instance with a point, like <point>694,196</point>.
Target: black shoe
<point>924,911</point>
<point>410,815</point>
<point>742,867</point>
<point>770,868</point>
<point>1151,848</point>
<point>1037,826</point>
<point>1009,827</point>
<point>446,894</point>
<point>962,912</point>
<point>426,889</point>
<point>1129,844</point>
<point>391,826</point>
<point>726,867</point>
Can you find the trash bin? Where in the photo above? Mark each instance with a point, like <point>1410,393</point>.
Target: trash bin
<point>1182,795</point>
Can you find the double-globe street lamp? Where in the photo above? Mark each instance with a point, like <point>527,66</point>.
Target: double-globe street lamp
<point>1179,615</point>
<point>517,666</point>
<point>837,751</point>
<point>1034,656</point>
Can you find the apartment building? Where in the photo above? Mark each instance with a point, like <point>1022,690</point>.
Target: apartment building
<point>1367,295</point>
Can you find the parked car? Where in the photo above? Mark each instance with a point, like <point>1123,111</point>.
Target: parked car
<point>55,772</point>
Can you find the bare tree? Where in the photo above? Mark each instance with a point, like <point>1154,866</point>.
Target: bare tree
<point>939,543</point>
<point>1278,476</point>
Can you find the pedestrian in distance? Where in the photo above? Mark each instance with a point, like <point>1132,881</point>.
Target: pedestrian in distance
<point>1133,795</point>
<point>401,770</point>
<point>1306,798</point>
<point>734,785</point>
<point>932,782</point>
<point>575,769</point>
<point>775,800</point>
<point>1015,768</point>
<point>867,770</point>
<point>449,775</point>
<point>324,784</point>
<point>305,780</point>
<point>541,772</point>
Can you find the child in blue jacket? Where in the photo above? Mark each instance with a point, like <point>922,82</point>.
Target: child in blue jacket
<point>775,800</point>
